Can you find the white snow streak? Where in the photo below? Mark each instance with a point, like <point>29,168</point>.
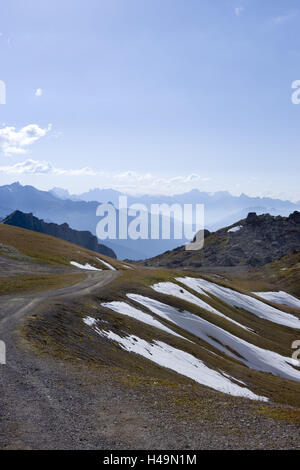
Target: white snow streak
<point>250,355</point>
<point>236,299</point>
<point>235,229</point>
<point>281,297</point>
<point>109,266</point>
<point>86,267</point>
<point>169,288</point>
<point>180,362</point>
<point>125,309</point>
<point>90,321</point>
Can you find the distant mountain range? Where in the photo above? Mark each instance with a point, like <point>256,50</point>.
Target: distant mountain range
<point>79,211</point>
<point>221,208</point>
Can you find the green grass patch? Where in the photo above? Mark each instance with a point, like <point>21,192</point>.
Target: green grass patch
<point>29,283</point>
<point>288,415</point>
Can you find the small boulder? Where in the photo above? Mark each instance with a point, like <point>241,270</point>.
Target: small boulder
<point>295,217</point>
<point>252,218</point>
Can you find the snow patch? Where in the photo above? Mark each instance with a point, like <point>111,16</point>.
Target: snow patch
<point>250,355</point>
<point>181,362</point>
<point>281,297</point>
<point>125,309</point>
<point>86,266</point>
<point>89,321</point>
<point>235,229</point>
<point>236,299</point>
<point>109,266</point>
<point>169,288</point>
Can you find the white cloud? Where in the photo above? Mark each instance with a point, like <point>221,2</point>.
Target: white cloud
<point>284,18</point>
<point>30,166</point>
<point>132,176</point>
<point>17,142</point>
<point>128,181</point>
<point>83,171</point>
<point>180,180</point>
<point>238,11</point>
<point>39,92</point>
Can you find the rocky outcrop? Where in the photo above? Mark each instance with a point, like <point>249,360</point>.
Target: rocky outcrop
<point>82,238</point>
<point>254,241</point>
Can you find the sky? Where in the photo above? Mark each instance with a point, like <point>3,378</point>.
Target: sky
<point>151,96</point>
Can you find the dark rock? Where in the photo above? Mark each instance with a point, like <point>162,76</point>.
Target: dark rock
<point>229,261</point>
<point>195,265</point>
<point>254,261</point>
<point>295,217</point>
<point>252,218</point>
<point>176,262</point>
<point>236,250</point>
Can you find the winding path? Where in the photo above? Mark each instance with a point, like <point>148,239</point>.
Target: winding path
<point>40,406</point>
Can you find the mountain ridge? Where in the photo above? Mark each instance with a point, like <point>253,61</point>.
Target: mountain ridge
<point>254,241</point>
<point>63,231</point>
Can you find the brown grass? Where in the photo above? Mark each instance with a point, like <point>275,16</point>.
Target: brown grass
<point>61,332</point>
<point>29,283</point>
<point>50,250</point>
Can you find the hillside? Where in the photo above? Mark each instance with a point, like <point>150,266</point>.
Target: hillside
<point>81,238</point>
<point>183,350</point>
<point>24,245</point>
<point>254,241</point>
<point>152,353</point>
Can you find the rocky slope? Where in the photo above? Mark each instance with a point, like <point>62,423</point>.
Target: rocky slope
<point>82,238</point>
<point>254,241</point>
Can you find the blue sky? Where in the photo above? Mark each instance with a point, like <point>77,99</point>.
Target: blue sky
<point>151,96</point>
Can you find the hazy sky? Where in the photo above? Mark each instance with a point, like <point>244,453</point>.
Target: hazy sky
<point>151,95</point>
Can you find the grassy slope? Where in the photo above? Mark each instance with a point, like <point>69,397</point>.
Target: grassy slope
<point>62,333</point>
<point>50,250</point>
<point>30,283</point>
<point>286,273</point>
<point>280,275</point>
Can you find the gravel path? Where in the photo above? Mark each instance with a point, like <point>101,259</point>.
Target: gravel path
<point>32,413</point>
